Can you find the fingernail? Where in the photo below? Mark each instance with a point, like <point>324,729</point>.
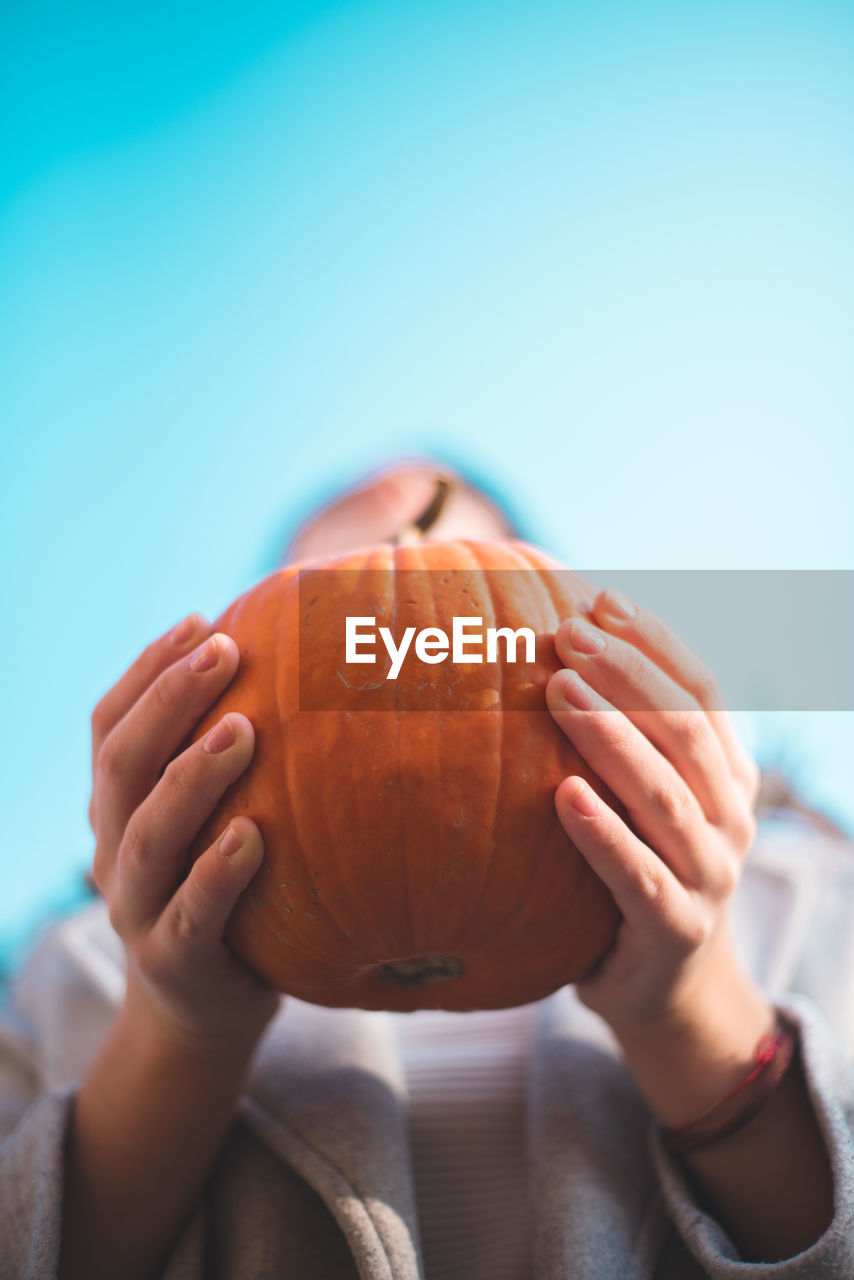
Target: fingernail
<point>618,605</point>
<point>185,630</point>
<point>585,801</point>
<point>584,638</point>
<point>219,737</point>
<point>576,692</point>
<point>230,842</point>
<point>206,656</point>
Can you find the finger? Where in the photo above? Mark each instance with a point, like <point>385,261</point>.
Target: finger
<point>153,660</point>
<point>195,918</point>
<point>134,754</point>
<point>665,712</point>
<point>120,698</point>
<point>152,852</point>
<point>648,895</point>
<point>624,618</point>
<point>662,809</point>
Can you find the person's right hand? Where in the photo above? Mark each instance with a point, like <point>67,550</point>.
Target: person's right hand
<point>146,808</point>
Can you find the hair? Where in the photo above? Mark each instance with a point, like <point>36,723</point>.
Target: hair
<point>471,480</point>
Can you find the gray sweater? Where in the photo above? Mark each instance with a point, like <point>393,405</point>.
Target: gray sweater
<point>315,1180</point>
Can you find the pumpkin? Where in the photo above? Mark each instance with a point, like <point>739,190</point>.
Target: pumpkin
<point>413,855</point>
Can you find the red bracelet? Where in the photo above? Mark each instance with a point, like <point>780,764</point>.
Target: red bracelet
<point>772,1056</point>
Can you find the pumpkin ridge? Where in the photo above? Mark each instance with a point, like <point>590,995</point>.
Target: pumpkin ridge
<point>430,912</point>
<point>390,950</point>
<point>289,758</point>
<point>406,905</point>
<point>530,566</point>
<point>304,846</point>
<point>291,761</point>
<point>455,942</point>
<point>419,558</point>
<point>240,615</point>
<point>490,865</point>
<point>419,555</point>
<point>535,558</point>
<point>381,560</point>
<point>325,903</point>
<point>487,570</point>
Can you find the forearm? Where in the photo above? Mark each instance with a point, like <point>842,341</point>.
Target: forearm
<point>769,1184</point>
<point>148,1122</point>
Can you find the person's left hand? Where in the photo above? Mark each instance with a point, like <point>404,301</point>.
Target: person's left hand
<point>645,714</point>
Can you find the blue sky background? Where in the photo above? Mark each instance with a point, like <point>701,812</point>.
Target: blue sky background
<point>602,253</point>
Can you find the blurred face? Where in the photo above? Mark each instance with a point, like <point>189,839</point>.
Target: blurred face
<point>386,504</point>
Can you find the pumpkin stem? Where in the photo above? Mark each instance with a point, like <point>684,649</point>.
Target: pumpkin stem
<point>418,971</point>
<point>418,527</point>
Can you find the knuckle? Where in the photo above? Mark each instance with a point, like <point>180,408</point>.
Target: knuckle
<point>729,874</point>
<point>649,884</point>
<point>722,877</point>
<point>745,830</point>
<point>693,729</point>
<point>671,804</point>
<point>165,691</point>
<point>116,917</point>
<point>704,686</point>
<point>609,837</point>
<point>691,932</point>
<point>688,733</point>
<point>629,661</point>
<point>134,850</point>
<point>752,779</point>
<point>153,960</point>
<point>619,732</point>
<point>99,872</point>
<point>184,925</point>
<point>100,721</point>
<point>111,760</point>
<point>179,778</point>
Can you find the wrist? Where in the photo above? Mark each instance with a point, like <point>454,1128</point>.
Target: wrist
<point>146,1024</point>
<point>692,1056</point>
<point>150,1118</point>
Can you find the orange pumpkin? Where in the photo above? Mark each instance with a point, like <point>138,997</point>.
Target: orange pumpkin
<point>413,856</point>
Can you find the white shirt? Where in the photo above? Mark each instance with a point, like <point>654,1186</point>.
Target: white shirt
<point>466,1077</point>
